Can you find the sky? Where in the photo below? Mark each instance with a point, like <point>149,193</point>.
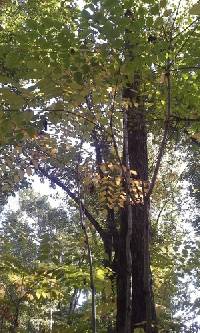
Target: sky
<point>42,189</point>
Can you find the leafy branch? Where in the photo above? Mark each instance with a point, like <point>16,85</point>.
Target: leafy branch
<point>89,216</point>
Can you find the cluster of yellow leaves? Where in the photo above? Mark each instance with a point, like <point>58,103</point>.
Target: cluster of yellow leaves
<point>111,184</point>
<point>2,291</point>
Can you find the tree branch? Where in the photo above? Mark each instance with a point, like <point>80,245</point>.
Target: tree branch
<point>184,30</point>
<point>185,68</point>
<point>176,14</point>
<point>159,158</point>
<point>89,216</point>
<point>89,252</point>
<point>164,140</point>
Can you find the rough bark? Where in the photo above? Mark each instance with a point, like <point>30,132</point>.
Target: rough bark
<point>142,305</point>
<point>15,323</point>
<point>121,278</point>
<point>143,309</point>
<point>129,229</point>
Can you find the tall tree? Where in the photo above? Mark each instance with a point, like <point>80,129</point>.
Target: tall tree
<point>86,71</point>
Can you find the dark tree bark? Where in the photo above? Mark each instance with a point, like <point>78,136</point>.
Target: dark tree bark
<point>121,274</point>
<point>138,162</point>
<point>143,308</point>
<point>15,323</point>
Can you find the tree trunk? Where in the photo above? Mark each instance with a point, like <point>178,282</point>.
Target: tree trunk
<point>121,275</point>
<point>15,324</point>
<point>143,309</point>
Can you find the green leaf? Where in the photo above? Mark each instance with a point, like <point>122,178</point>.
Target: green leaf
<point>155,9</point>
<point>38,294</point>
<point>78,77</point>
<point>139,330</point>
<point>163,3</point>
<point>195,9</point>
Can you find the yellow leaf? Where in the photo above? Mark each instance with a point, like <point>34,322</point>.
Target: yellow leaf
<point>110,206</point>
<point>110,166</point>
<point>133,172</point>
<point>29,171</point>
<point>38,294</point>
<point>138,330</point>
<point>30,297</point>
<point>117,168</point>
<point>195,9</point>
<point>21,174</point>
<point>109,89</point>
<point>118,181</point>
<point>121,204</point>
<point>162,78</point>
<point>19,149</point>
<point>16,178</point>
<point>54,151</point>
<point>110,201</point>
<point>35,163</point>
<point>100,274</point>
<point>6,188</point>
<point>103,167</point>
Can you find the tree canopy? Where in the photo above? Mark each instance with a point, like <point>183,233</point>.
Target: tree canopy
<point>100,99</point>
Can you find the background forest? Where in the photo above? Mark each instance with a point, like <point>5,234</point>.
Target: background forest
<point>99,166</point>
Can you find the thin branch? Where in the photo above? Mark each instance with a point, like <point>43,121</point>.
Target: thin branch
<point>184,30</point>
<point>185,41</point>
<point>174,118</point>
<point>114,140</point>
<point>160,212</point>
<point>92,284</point>
<point>163,28</point>
<point>176,14</point>
<point>177,118</point>
<point>75,113</point>
<point>185,68</point>
<point>164,140</point>
<point>159,158</point>
<point>89,216</point>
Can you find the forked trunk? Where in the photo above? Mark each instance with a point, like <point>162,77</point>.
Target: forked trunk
<point>143,309</point>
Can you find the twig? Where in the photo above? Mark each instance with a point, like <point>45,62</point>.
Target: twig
<point>176,14</point>
<point>181,32</point>
<point>164,140</point>
<point>89,252</point>
<point>185,68</point>
<point>160,212</point>
<point>185,42</point>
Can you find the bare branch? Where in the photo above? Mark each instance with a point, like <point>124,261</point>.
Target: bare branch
<point>184,30</point>
<point>89,252</point>
<point>185,68</point>
<point>164,140</point>
<point>176,14</point>
<point>89,216</point>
